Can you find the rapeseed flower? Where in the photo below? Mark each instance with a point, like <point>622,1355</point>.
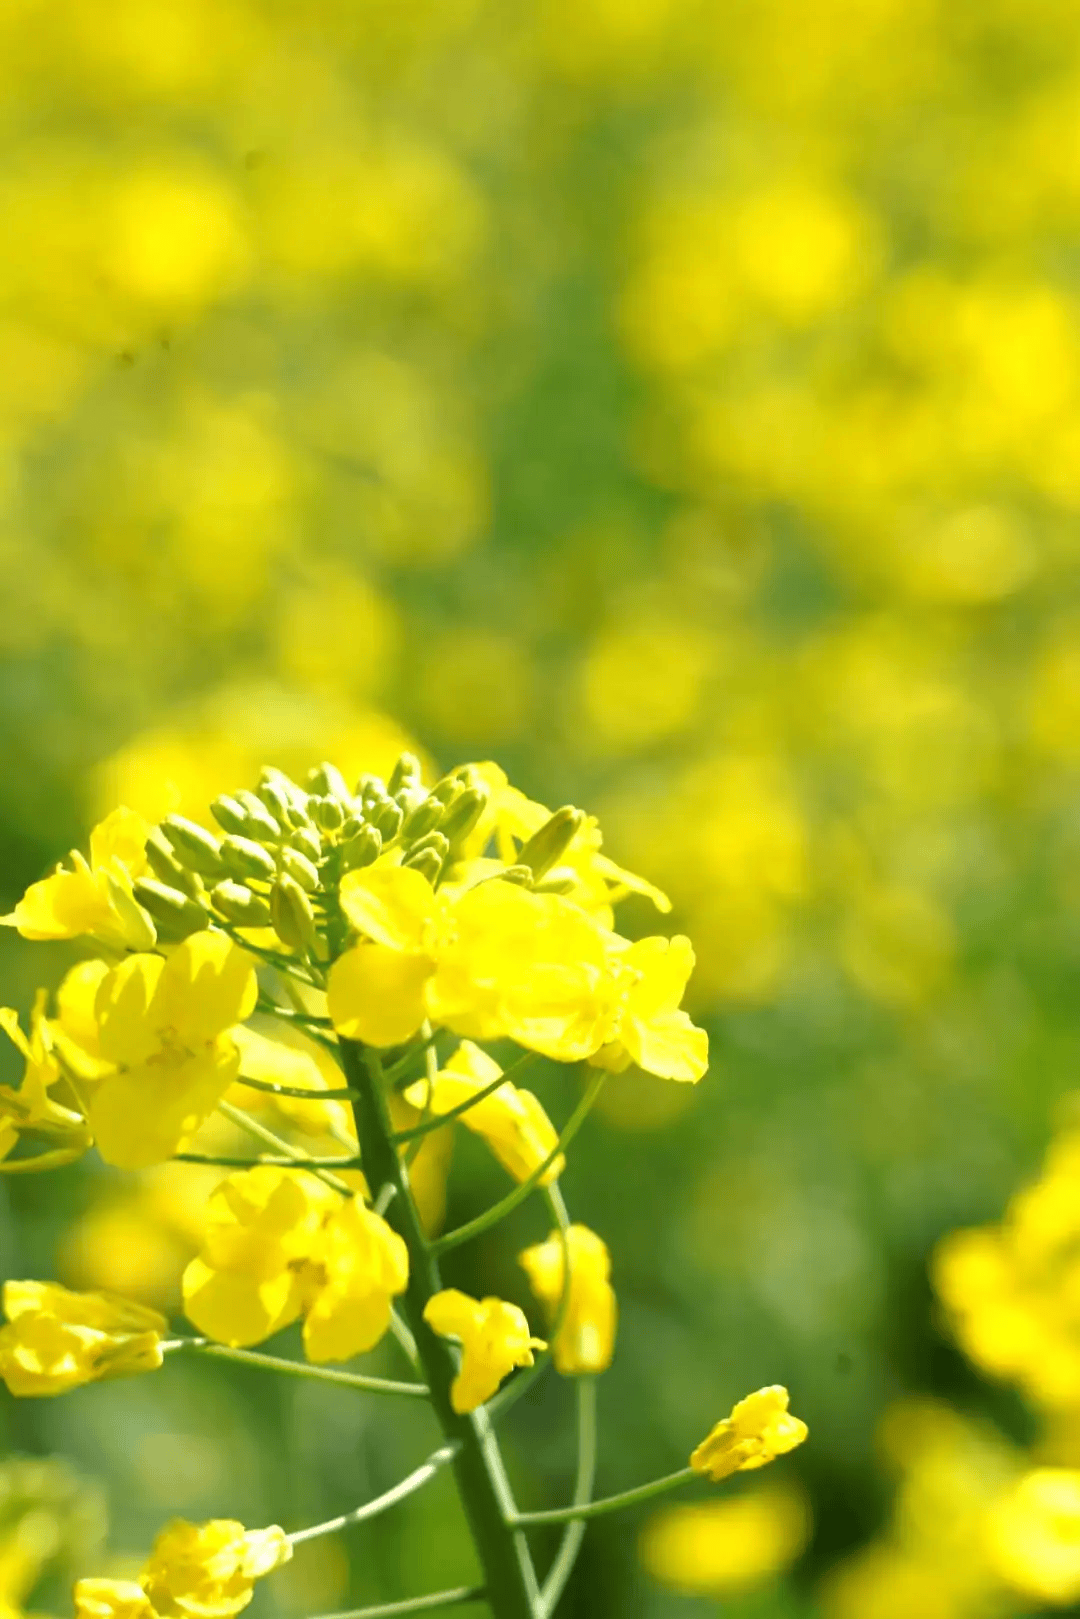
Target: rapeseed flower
<point>758,1430</point>
<point>31,1108</point>
<point>494,1338</point>
<point>56,1339</point>
<point>511,1121</point>
<point>1033,1534</point>
<point>585,1341</point>
<point>95,896</point>
<point>650,1029</point>
<point>195,1571</point>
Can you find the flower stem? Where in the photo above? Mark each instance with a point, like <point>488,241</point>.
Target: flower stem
<point>297,1368</point>
<point>509,1578</point>
<point>610,1503</point>
<point>389,1498</point>
<point>437,1599</point>
<point>563,1566</point>
<point>437,1120</point>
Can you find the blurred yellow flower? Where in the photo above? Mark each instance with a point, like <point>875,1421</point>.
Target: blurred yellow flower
<point>758,1430</point>
<point>585,1341</point>
<point>726,1546</point>
<point>31,1107</point>
<point>1034,1535</point>
<point>494,1338</point>
<point>56,1339</point>
<point>511,1121</point>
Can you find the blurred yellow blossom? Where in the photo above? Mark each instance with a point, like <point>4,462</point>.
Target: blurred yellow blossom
<point>195,1571</point>
<point>1034,1535</point>
<point>726,1546</point>
<point>585,1341</point>
<point>55,1339</point>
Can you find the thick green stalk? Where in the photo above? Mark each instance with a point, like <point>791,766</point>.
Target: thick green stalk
<point>509,1579</point>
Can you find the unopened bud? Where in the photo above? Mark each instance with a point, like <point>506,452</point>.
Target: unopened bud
<point>291,914</point>
<point>406,773</point>
<point>424,816</point>
<point>238,904</point>
<point>547,846</point>
<point>367,783</point>
<point>299,866</point>
<point>447,789</point>
<point>230,814</point>
<point>386,817</point>
<point>260,823</point>
<point>327,781</point>
<point>277,800</point>
<point>166,867</point>
<point>362,848</point>
<point>307,840</point>
<point>244,858</point>
<point>328,813</point>
<point>556,885</point>
<point>193,845</point>
<point>175,913</point>
<point>520,876</point>
<point>463,813</point>
<point>427,861</point>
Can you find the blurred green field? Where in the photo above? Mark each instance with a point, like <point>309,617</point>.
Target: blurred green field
<point>680,405</point>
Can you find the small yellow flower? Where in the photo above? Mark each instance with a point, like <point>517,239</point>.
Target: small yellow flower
<point>758,1430</point>
<point>376,990</point>
<point>31,1107</point>
<point>207,1571</point>
<point>511,1121</point>
<point>494,1338</point>
<point>585,1342</point>
<point>94,897</point>
<point>164,1026</point>
<point>650,1029</point>
<point>56,1339</point>
<point>363,1265</point>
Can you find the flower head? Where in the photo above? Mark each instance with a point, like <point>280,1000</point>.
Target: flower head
<point>56,1339</point>
<point>494,1338</point>
<point>511,1121</point>
<point>95,896</point>
<point>207,1571</point>
<point>758,1430</point>
<point>649,1028</point>
<point>585,1340</point>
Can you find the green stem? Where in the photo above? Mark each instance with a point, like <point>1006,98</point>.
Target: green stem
<point>439,1119</point>
<point>279,1161</point>
<point>482,1485</point>
<point>499,1211</point>
<point>306,1094</point>
<point>610,1503</point>
<point>289,1014</point>
<point>371,1509</point>
<point>437,1599</point>
<point>563,1566</point>
<point>297,1368</point>
<point>295,1155</point>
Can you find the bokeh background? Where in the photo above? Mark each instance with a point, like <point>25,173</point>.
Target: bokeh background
<point>680,404</point>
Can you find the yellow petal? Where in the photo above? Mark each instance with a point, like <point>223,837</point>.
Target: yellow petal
<point>376,994</point>
<point>120,836</point>
<point>341,1325</point>
<point>208,985</point>
<point>392,905</point>
<point>669,1046</point>
<point>124,1007</point>
<point>452,1314</point>
<point>140,1115</point>
<point>239,1309</point>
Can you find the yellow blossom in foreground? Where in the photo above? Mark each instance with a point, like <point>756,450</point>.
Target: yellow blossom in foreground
<point>758,1430</point>
<point>56,1339</point>
<point>651,1029</point>
<point>1034,1535</point>
<point>511,1121</point>
<point>163,1025</point>
<point>195,1571</point>
<point>279,1244</point>
<point>494,1338</point>
<point>31,1108</point>
<point>585,1341</point>
<point>95,896</point>
<point>714,1547</point>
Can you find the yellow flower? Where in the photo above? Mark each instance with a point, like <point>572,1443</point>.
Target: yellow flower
<point>56,1339</point>
<point>494,1338</point>
<point>206,1571</point>
<point>364,1264</point>
<point>93,897</point>
<point>163,1024</point>
<point>489,961</point>
<point>31,1108</point>
<point>585,1341</point>
<point>111,1599</point>
<point>280,1244</point>
<point>248,1282</point>
<point>1034,1535</point>
<point>758,1430</point>
<point>511,1121</point>
<point>288,1057</point>
<point>650,1029</point>
<point>715,1547</point>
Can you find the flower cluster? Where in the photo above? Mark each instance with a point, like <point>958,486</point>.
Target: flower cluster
<point>195,1571</point>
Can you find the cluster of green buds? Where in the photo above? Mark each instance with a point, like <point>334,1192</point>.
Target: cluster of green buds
<point>285,848</point>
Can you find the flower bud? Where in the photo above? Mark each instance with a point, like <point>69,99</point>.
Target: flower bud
<point>447,789</point>
<point>193,845</point>
<point>556,885</point>
<point>386,817</point>
<point>520,875</point>
<point>243,858</point>
<point>328,813</point>
<point>175,913</point>
<point>326,781</point>
<point>167,868</point>
<point>424,816</point>
<point>291,914</point>
<point>229,814</point>
<point>307,840</point>
<point>366,783</point>
<point>462,814</point>
<point>547,846</point>
<point>427,860</point>
<point>277,800</point>
<point>238,904</point>
<point>261,825</point>
<point>361,849</point>
<point>301,868</point>
<point>406,773</point>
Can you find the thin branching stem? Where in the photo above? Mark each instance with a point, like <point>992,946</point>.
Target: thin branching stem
<point>296,1368</point>
<point>610,1503</point>
<point>304,1093</point>
<point>438,1120</point>
<point>437,1599</point>
<point>389,1498</point>
<point>563,1566</point>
